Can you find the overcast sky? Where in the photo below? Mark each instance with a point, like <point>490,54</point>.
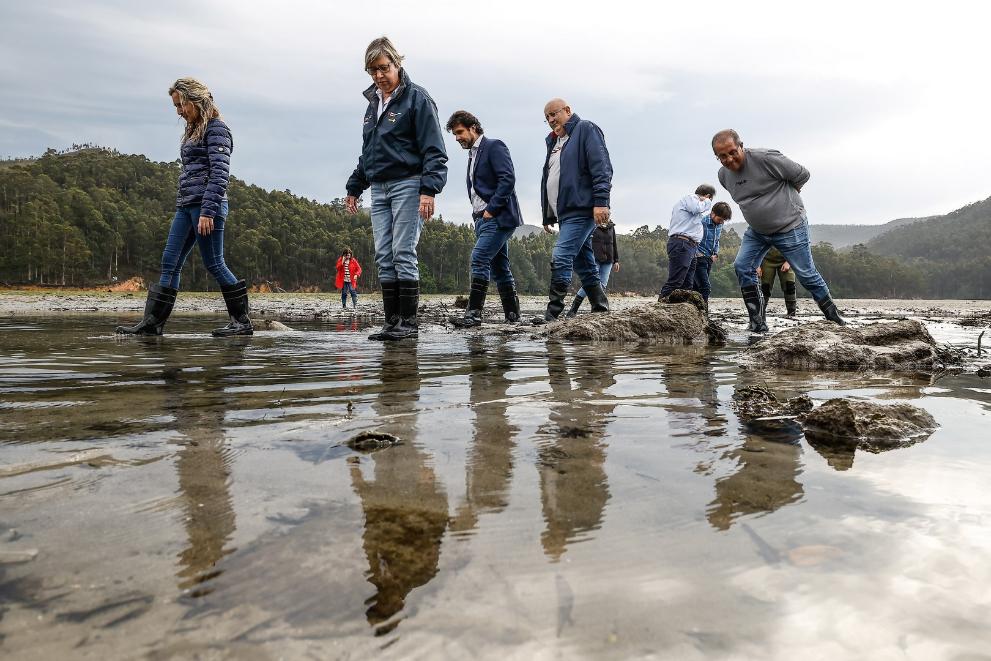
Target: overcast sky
<point>880,103</point>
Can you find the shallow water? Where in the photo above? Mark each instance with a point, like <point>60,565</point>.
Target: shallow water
<point>188,497</point>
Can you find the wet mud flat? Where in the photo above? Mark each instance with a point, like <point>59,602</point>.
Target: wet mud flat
<point>309,494</point>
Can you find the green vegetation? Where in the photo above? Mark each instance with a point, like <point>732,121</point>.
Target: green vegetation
<point>88,215</point>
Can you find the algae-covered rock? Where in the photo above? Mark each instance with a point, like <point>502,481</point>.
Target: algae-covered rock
<point>677,323</point>
<point>870,426</point>
<point>901,345</point>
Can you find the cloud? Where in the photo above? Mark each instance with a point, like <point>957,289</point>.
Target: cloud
<point>878,108</point>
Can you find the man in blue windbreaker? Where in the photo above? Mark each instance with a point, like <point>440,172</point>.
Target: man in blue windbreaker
<point>574,194</point>
<point>491,182</point>
<point>404,161</point>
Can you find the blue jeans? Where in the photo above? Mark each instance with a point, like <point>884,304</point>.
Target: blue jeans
<point>182,236</point>
<point>573,253</point>
<point>796,247</point>
<point>703,265</point>
<point>604,271</point>
<point>396,226</point>
<point>490,256</point>
<point>681,265</point>
<point>344,294</point>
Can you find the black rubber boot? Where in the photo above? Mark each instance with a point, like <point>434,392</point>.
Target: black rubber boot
<point>597,298</point>
<point>555,306</point>
<point>765,292</point>
<point>791,299</point>
<point>390,301</point>
<point>476,301</point>
<point>236,298</point>
<point>755,305</point>
<point>409,299</point>
<point>510,303</point>
<point>830,312</point>
<point>158,307</point>
<point>575,304</point>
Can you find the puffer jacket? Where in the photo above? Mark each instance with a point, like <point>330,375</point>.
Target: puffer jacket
<point>206,168</point>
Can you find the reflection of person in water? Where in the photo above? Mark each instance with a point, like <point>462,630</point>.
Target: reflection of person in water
<point>573,484</point>
<point>767,478</point>
<point>405,505</point>
<point>691,387</point>
<point>199,403</point>
<point>490,458</point>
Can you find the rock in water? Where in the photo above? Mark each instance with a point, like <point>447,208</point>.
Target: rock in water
<point>868,425</point>
<point>370,441</point>
<point>902,345</point>
<point>270,325</point>
<point>677,323</point>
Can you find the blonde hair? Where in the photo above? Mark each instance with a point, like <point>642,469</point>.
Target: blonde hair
<point>193,91</point>
<point>378,48</point>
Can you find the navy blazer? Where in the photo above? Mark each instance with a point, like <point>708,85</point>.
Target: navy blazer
<point>495,182</point>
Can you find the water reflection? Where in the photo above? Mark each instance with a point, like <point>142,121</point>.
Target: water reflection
<point>768,464</point>
<point>573,484</point>
<point>489,465</point>
<point>405,505</point>
<point>198,403</point>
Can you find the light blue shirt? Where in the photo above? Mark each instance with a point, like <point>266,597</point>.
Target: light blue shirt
<point>686,217</point>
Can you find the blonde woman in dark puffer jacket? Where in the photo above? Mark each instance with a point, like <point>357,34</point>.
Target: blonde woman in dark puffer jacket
<point>201,211</point>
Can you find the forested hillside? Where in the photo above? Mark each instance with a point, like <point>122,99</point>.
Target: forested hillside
<point>91,215</point>
<point>953,251</point>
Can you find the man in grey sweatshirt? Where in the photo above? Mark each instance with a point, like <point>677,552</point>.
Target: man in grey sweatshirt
<point>766,185</point>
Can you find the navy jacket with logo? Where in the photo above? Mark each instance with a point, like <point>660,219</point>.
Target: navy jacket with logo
<point>206,169</point>
<point>586,172</point>
<point>495,182</point>
<point>404,142</point>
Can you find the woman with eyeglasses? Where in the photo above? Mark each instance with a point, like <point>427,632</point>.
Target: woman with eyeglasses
<point>404,161</point>
<point>201,211</point>
<point>348,270</point>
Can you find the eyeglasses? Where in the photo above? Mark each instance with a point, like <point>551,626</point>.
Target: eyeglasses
<point>549,116</point>
<point>382,68</point>
<point>726,155</point>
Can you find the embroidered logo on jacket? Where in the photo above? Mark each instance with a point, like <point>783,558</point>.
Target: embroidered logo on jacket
<point>393,116</point>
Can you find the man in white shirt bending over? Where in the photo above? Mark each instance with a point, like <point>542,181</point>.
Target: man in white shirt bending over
<point>684,235</point>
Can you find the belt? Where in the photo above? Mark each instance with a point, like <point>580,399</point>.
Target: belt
<point>478,216</point>
<point>682,237</point>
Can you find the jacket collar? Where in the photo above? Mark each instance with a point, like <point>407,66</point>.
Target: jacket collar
<point>404,82</point>
<point>569,128</point>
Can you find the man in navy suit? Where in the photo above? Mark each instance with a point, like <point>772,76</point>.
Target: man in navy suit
<point>491,182</point>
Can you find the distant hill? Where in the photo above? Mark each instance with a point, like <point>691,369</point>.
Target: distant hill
<point>963,234</point>
<point>845,236</point>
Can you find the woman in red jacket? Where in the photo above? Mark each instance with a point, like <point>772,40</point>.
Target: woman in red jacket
<point>348,270</point>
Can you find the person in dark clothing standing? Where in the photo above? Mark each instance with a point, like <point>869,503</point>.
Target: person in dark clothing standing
<point>774,264</point>
<point>201,212</point>
<point>574,194</point>
<point>491,182</point>
<point>708,250</point>
<point>606,251</point>
<point>404,161</point>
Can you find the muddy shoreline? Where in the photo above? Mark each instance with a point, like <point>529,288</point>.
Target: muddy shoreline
<point>15,303</point>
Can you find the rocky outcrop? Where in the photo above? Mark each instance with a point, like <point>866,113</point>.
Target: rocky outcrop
<point>871,426</point>
<point>902,345</point>
<point>680,319</point>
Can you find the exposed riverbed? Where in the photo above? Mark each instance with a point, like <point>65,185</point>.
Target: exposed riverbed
<point>189,497</point>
